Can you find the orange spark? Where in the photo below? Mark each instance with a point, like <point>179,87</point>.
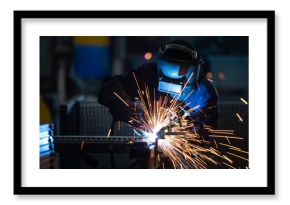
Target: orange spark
<point>82,145</point>
<point>229,137</point>
<point>122,100</point>
<point>237,156</point>
<point>239,150</point>
<point>109,132</point>
<point>237,114</point>
<point>244,101</point>
<point>216,144</point>
<point>229,165</point>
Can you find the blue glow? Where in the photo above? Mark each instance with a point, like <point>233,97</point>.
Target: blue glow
<point>45,134</point>
<point>137,133</point>
<point>92,60</point>
<point>45,140</point>
<point>186,92</point>
<point>198,99</point>
<point>151,137</point>
<point>169,87</point>
<point>46,153</point>
<point>46,147</point>
<point>148,136</point>
<point>171,70</point>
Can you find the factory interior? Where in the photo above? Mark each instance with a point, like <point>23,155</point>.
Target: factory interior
<point>77,132</point>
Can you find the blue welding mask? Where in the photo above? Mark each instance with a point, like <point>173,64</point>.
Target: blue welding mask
<point>178,68</point>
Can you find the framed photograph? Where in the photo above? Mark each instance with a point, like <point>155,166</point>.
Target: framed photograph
<point>144,102</point>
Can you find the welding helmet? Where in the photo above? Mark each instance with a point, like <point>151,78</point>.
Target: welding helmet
<point>178,66</point>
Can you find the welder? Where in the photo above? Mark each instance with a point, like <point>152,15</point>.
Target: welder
<point>177,73</point>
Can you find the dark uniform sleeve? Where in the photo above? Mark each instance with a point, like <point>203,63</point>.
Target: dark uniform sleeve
<point>125,87</point>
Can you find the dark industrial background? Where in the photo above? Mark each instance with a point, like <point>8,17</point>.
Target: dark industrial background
<point>73,66</point>
<point>72,70</point>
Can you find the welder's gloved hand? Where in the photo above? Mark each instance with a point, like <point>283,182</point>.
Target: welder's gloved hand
<point>136,114</point>
<point>121,112</point>
<point>137,108</point>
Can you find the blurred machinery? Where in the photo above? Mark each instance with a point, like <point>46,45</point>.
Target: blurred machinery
<point>87,139</point>
<point>46,146</point>
<point>103,152</point>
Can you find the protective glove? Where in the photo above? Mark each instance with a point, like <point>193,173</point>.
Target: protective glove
<point>121,112</point>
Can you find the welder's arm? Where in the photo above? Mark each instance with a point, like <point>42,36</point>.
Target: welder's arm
<point>110,90</point>
<point>207,115</point>
<point>206,103</point>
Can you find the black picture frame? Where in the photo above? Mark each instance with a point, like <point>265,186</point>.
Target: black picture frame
<point>19,189</point>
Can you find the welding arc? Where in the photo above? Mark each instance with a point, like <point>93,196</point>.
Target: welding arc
<point>182,145</point>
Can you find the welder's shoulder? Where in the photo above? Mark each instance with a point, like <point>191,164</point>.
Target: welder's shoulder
<point>208,87</point>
